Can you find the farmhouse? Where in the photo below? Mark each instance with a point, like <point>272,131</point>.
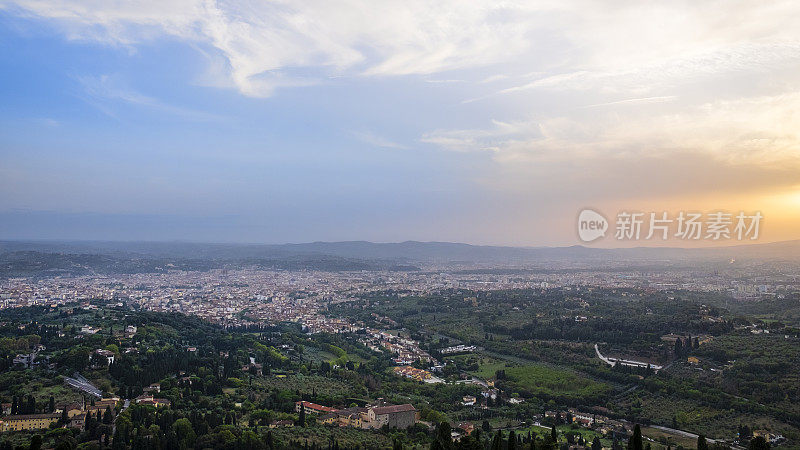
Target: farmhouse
<point>395,416</point>
<point>313,408</point>
<point>29,422</point>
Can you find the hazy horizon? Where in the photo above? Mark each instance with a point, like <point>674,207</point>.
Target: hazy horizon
<point>664,246</point>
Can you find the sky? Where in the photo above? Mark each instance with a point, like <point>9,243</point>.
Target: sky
<point>479,122</point>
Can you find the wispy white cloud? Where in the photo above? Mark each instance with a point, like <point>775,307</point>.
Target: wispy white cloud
<point>740,148</point>
<point>429,80</point>
<point>266,44</point>
<point>373,139</point>
<point>48,122</point>
<point>630,101</point>
<point>573,44</point>
<point>757,131</point>
<point>667,73</point>
<point>104,89</point>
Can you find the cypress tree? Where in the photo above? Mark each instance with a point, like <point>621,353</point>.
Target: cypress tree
<point>443,436</point>
<point>270,444</point>
<point>635,443</point>
<point>701,443</point>
<point>758,443</point>
<point>108,416</point>
<point>36,442</point>
<point>497,442</point>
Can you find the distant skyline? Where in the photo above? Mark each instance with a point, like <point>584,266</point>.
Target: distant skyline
<point>477,122</point>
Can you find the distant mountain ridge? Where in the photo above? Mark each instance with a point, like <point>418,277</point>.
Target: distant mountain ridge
<point>408,251</point>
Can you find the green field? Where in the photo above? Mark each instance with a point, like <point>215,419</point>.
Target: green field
<point>547,382</point>
<point>487,367</point>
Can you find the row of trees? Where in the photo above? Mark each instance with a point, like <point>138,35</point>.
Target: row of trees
<point>684,347</point>
<point>27,405</point>
<point>476,440</point>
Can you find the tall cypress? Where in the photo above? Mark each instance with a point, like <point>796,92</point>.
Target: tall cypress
<point>701,443</point>
<point>497,442</point>
<point>443,435</point>
<point>635,442</point>
<point>302,420</point>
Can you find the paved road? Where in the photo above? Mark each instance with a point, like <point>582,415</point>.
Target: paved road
<point>679,432</point>
<point>626,362</point>
<point>600,355</point>
<point>114,422</point>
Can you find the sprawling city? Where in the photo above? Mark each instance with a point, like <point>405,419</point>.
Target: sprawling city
<point>405,225</point>
<point>245,353</point>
